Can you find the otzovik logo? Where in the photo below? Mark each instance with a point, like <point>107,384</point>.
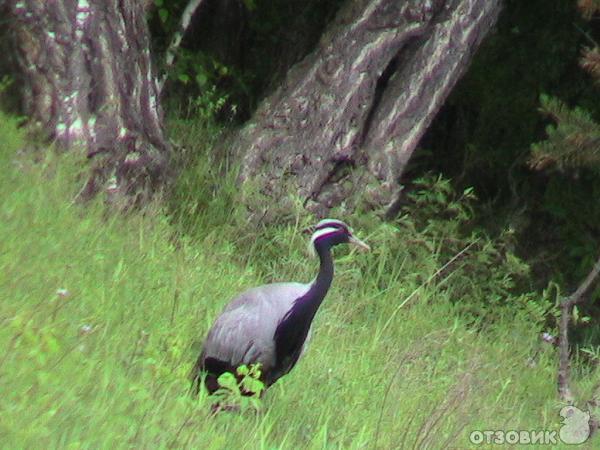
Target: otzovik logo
<point>576,425</point>
<point>575,429</point>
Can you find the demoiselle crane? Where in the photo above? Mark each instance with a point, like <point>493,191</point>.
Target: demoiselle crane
<point>270,324</point>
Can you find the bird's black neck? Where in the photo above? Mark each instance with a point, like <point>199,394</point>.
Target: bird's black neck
<point>292,331</point>
<point>319,287</point>
<point>305,308</point>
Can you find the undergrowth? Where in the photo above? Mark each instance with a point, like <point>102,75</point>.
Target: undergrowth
<point>430,336</point>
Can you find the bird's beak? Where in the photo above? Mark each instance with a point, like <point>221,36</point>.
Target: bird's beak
<point>360,244</point>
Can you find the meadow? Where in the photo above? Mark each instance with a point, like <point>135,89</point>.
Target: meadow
<point>432,335</point>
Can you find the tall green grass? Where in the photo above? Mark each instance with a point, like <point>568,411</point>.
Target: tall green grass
<point>102,317</point>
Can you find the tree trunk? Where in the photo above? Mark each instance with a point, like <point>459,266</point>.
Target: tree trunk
<point>342,127</point>
<point>87,82</point>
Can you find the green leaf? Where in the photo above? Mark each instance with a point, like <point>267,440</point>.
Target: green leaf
<point>201,79</point>
<point>228,381</point>
<point>163,14</point>
<point>243,370</point>
<point>252,385</point>
<point>184,78</point>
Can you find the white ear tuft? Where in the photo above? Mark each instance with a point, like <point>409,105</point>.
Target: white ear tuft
<point>322,232</point>
<point>331,222</point>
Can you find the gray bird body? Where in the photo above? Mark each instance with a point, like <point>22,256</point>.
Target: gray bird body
<point>243,333</point>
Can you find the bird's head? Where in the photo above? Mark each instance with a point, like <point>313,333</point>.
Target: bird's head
<point>331,232</point>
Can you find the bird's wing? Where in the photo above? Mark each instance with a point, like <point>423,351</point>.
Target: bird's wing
<point>243,333</point>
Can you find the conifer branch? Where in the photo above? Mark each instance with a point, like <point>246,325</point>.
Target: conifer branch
<point>588,8</point>
<point>572,143</point>
<point>590,62</point>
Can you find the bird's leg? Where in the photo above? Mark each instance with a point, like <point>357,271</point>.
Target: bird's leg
<point>262,394</point>
<point>216,408</point>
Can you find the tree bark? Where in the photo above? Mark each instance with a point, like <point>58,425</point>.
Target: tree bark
<point>87,81</point>
<point>343,125</point>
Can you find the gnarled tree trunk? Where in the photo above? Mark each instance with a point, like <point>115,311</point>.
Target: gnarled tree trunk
<point>346,120</point>
<point>88,83</point>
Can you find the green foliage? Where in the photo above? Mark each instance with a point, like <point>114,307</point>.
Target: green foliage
<point>234,53</point>
<point>162,12</point>
<point>241,391</point>
<point>199,83</point>
<point>251,379</point>
<point>573,141</point>
<point>168,14</point>
<point>201,74</point>
<point>436,231</point>
<point>572,145</point>
<point>484,134</point>
<point>5,83</point>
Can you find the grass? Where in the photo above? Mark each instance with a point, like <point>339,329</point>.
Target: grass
<point>102,317</point>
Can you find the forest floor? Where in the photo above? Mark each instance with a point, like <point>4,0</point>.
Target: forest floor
<point>103,314</point>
